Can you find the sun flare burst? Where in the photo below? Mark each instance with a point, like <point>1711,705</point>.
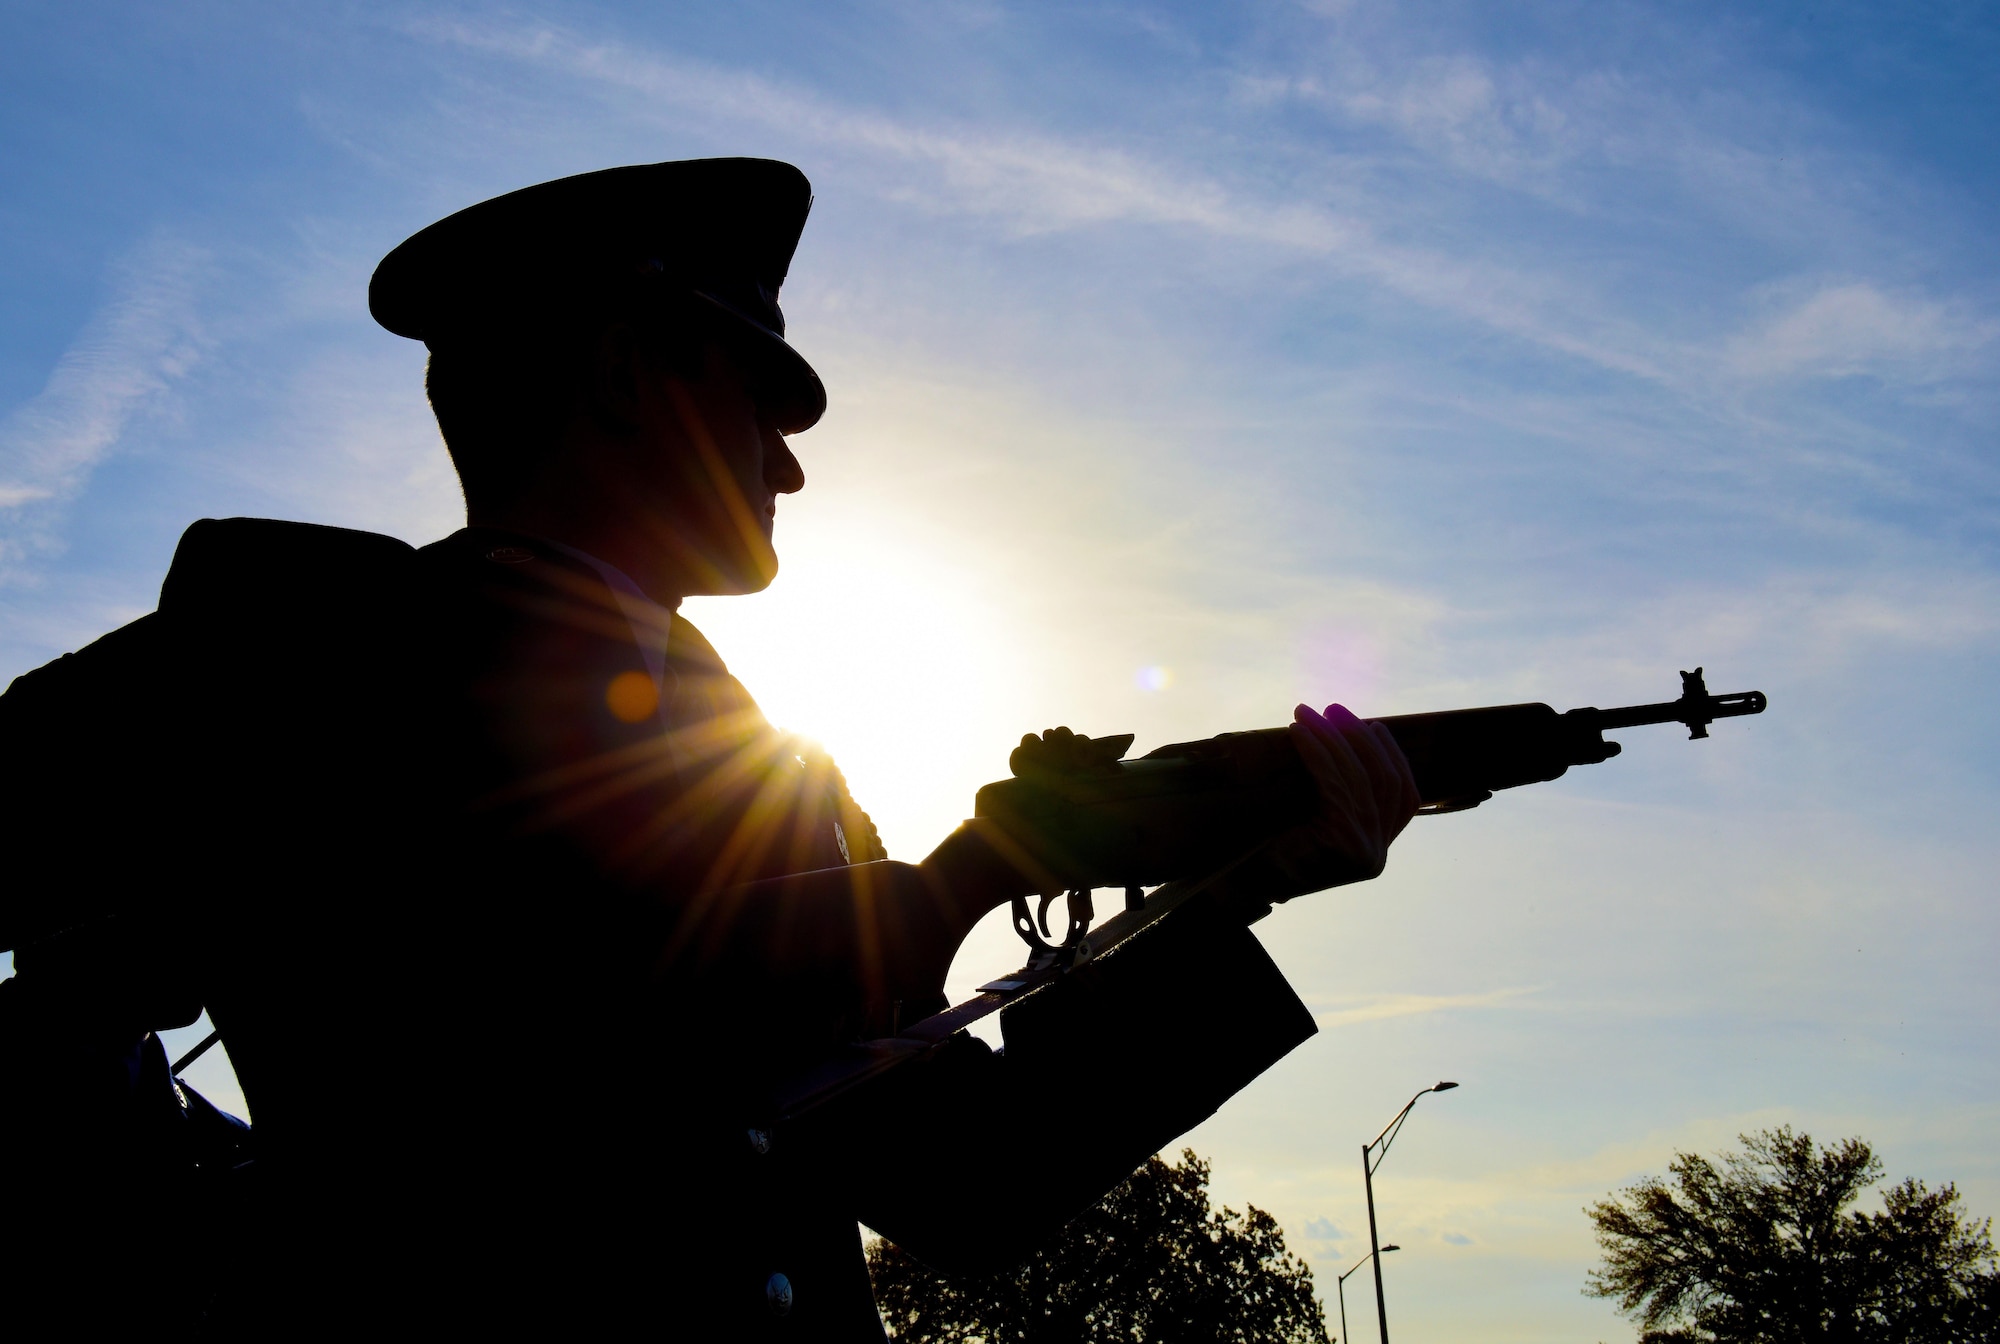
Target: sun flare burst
<point>892,659</point>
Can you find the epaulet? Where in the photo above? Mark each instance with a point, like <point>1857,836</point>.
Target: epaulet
<point>236,565</point>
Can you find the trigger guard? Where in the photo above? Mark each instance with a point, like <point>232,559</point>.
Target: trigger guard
<point>1024,925</point>
<point>1078,924</point>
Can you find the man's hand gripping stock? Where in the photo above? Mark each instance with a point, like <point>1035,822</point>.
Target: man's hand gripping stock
<point>1367,795</point>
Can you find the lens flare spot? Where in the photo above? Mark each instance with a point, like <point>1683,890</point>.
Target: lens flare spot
<point>1153,678</point>
<point>632,697</point>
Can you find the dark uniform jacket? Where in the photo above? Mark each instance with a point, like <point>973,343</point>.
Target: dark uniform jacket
<point>473,874</point>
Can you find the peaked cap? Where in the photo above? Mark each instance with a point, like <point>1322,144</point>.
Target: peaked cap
<point>702,240</point>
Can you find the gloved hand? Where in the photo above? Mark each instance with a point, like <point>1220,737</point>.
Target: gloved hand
<point>1367,796</point>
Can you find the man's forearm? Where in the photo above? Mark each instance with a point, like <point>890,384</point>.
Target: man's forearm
<point>870,934</point>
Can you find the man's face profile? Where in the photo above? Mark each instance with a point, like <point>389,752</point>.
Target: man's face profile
<point>608,363</point>
<point>715,464</point>
<point>671,470</point>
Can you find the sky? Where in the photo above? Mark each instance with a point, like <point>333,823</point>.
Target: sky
<point>1188,362</point>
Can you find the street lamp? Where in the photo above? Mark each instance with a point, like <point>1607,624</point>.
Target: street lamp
<point>1340,1286</point>
<point>1370,1161</point>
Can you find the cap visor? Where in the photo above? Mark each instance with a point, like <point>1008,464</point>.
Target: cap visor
<point>786,387</point>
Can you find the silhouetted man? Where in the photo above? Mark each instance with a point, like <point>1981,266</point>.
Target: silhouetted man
<point>512,910</point>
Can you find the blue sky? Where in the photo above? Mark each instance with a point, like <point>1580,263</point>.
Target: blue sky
<point>1187,362</point>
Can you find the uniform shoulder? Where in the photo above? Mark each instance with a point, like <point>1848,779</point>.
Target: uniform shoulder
<point>241,568</point>
<point>689,646</point>
<point>271,565</point>
<point>91,679</point>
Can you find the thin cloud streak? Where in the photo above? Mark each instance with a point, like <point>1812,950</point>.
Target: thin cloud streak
<point>131,352</point>
<point>1043,184</point>
<point>1383,1006</point>
<point>1046,184</point>
<point>1843,329</point>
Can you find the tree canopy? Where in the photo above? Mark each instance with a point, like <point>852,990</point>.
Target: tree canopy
<point>1762,1246</point>
<point>1151,1263</point>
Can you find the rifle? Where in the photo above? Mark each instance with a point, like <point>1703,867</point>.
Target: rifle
<point>1078,816</point>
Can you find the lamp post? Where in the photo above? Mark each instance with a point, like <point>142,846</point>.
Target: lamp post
<point>1370,1161</point>
<point>1340,1286</point>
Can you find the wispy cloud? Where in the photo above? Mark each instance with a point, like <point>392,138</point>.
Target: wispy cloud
<point>1380,1006</point>
<point>1038,183</point>
<point>1793,625</point>
<point>1321,1239</point>
<point>1492,123</point>
<point>1505,124</point>
<point>1738,161</point>
<point>1551,128</point>
<point>131,352</point>
<point>1842,329</point>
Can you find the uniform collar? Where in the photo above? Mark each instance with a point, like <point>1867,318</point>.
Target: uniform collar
<point>652,622</point>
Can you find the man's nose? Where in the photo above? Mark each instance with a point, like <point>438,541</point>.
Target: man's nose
<point>782,472</point>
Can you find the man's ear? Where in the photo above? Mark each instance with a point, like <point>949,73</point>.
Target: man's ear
<point>616,368</point>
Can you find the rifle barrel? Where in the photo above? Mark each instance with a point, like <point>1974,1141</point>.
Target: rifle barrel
<point>1690,710</point>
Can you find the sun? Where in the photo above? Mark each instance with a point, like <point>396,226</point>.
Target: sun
<point>899,654</point>
<point>891,657</point>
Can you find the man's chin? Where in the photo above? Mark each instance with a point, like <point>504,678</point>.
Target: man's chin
<point>742,576</point>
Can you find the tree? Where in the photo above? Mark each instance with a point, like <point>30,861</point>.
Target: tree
<point>1762,1247</point>
<point>1150,1263</point>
